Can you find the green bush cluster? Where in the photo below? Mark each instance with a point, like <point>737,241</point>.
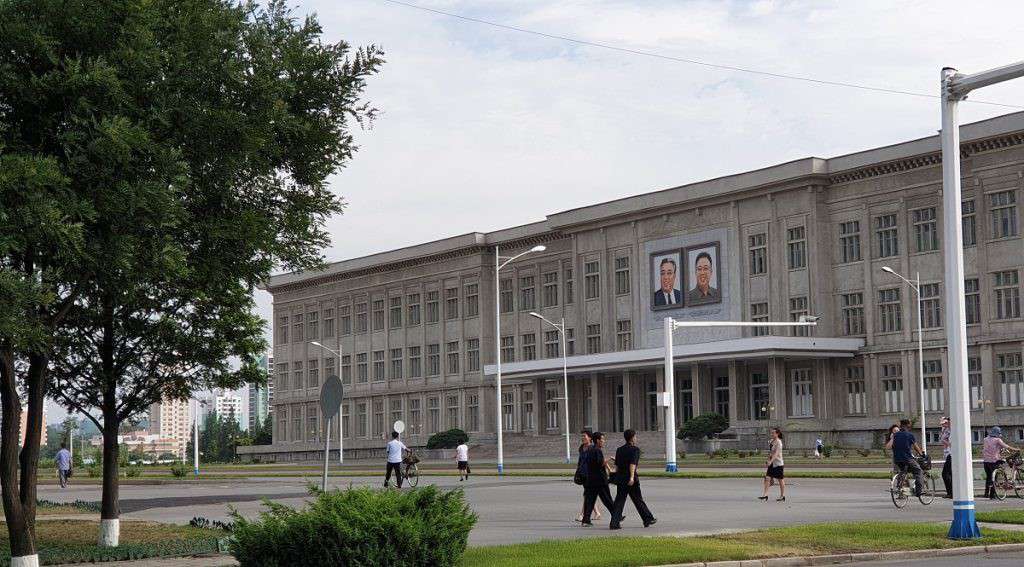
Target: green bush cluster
<point>447,439</point>
<point>84,505</point>
<point>703,426</point>
<point>180,470</point>
<point>358,527</point>
<point>58,554</point>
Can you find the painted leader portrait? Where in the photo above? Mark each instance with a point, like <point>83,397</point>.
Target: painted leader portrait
<point>703,284</point>
<point>666,281</point>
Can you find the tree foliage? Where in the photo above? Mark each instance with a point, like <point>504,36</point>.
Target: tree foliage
<point>704,426</point>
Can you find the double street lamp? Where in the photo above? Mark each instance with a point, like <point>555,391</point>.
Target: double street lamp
<point>916,286</point>
<point>565,378</point>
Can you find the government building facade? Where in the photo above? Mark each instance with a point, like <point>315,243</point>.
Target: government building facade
<point>416,327</point>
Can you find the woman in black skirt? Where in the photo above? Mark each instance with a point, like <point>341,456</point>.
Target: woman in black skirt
<point>775,467</point>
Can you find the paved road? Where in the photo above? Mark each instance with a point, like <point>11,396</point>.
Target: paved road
<point>985,560</point>
<point>515,509</point>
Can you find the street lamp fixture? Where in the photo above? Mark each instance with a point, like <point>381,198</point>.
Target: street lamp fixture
<point>565,377</point>
<point>916,286</point>
<point>341,432</point>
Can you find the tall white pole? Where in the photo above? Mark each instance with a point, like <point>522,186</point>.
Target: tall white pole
<point>341,432</point>
<point>920,364</point>
<point>670,410</point>
<point>497,355</point>
<point>565,384</point>
<point>964,525</point>
<point>327,453</point>
<point>195,440</point>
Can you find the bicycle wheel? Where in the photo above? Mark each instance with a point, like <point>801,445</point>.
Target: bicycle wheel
<point>412,475</point>
<point>1000,484</point>
<point>898,491</point>
<point>1018,484</point>
<point>927,491</point>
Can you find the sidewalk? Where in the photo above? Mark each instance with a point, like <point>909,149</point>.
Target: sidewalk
<point>217,561</point>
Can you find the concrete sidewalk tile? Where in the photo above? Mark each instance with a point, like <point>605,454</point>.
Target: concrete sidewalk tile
<point>831,559</point>
<point>204,561</point>
<point>787,562</point>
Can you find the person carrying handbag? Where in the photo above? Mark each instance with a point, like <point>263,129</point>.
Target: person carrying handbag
<point>596,484</point>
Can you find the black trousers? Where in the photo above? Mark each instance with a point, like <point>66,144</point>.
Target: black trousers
<point>397,467</point>
<point>990,469</point>
<point>590,496</point>
<point>634,494</point>
<point>947,475</point>
<point>913,468</point>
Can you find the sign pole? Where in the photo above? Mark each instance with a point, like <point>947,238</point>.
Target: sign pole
<point>327,453</point>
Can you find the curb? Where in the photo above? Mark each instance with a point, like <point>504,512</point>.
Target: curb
<point>857,557</point>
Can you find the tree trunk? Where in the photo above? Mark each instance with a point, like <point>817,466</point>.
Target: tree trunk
<point>110,509</point>
<point>36,390</point>
<point>23,549</point>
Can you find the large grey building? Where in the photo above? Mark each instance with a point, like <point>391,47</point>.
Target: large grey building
<point>416,326</point>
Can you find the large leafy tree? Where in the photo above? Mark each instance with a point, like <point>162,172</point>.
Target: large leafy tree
<point>198,136</point>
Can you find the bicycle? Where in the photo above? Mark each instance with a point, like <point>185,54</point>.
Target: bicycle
<point>411,470</point>
<point>900,488</point>
<point>1008,477</point>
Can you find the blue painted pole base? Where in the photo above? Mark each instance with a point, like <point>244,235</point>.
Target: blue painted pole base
<point>671,467</point>
<point>501,469</point>
<point>964,525</point>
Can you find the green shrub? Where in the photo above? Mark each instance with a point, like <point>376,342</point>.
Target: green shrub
<point>827,451</point>
<point>864,452</point>
<point>132,472</point>
<point>179,470</point>
<point>447,439</point>
<point>703,426</point>
<point>359,527</point>
<point>95,471</point>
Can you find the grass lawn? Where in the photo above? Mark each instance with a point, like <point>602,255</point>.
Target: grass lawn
<point>814,539</point>
<point>74,541</point>
<point>1002,516</point>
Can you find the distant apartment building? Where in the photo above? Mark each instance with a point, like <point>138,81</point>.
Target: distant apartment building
<point>259,396</point>
<point>228,406</point>
<point>24,427</point>
<point>171,420</point>
<point>150,444</point>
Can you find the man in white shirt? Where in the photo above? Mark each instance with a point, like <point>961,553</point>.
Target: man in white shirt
<point>462,458</point>
<point>396,450</point>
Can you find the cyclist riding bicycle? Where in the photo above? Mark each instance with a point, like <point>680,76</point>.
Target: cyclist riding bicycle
<point>904,449</point>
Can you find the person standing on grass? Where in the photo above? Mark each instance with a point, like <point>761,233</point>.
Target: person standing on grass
<point>991,454</point>
<point>627,481</point>
<point>947,458</point>
<point>396,451</point>
<point>596,484</point>
<point>63,465</point>
<point>462,458</point>
<point>776,467</point>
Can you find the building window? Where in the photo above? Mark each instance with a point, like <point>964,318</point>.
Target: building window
<point>798,309</point>
<point>415,417</point>
<point>297,328</point>
<point>528,421</point>
<point>433,414</point>
<point>362,370</point>
<point>361,317</point>
<point>396,364</point>
<point>346,319</point>
<point>796,245</point>
<point>433,306</point>
<point>282,330</point>
<point>551,349</point>
<point>378,417</point>
<point>527,294</point>
<point>622,275</point>
<point>551,401</point>
<point>472,355</point>
<point>592,280</point>
<point>508,413</point>
<point>849,241</point>
<point>312,326</point>
<point>549,292</point>
<point>378,314</point>
<point>313,374</point>
<point>974,382</point>
<point>759,314</point>
<point>451,303</point>
<point>528,343</point>
<point>853,313</point>
<point>329,367</point>
<point>624,335</point>
<point>758,254</point>
<point>934,398</point>
<point>1003,211</point>
<point>890,310</point>
<point>282,376</point>
<point>569,295</point>
<point>570,342</point>
<point>588,400</point>
<point>297,373</point>
<point>856,399</point>
<point>931,310</point>
<point>685,397</point>
<point>508,348</point>
<point>926,232</point>
<point>328,323</point>
<point>361,418</point>
<point>1007,294</point>
<point>453,412</point>
<point>346,420</point>
<point>472,300</point>
<point>802,393</point>
<point>452,350</point>
<point>722,395</point>
<point>296,422</point>
<point>972,301</point>
<point>760,396</point>
<point>887,234</point>
<point>593,339</point>
<point>473,412</point>
<point>892,387</point>
<point>969,223</point>
<point>1011,383</point>
<point>433,359</point>
<point>415,362</point>
<point>346,369</point>
<point>506,295</point>
<point>396,312</point>
<point>413,307</point>
<point>378,365</point>
<point>396,409</point>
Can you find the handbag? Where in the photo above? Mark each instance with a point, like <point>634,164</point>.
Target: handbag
<point>579,478</point>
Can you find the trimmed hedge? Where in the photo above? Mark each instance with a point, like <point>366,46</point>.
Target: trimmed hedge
<point>447,439</point>
<point>703,426</point>
<point>358,527</point>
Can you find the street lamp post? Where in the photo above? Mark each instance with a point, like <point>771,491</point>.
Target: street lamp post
<point>498,265</point>
<point>669,395</point>
<point>916,286</point>
<point>953,88</point>
<point>565,378</point>
<point>195,440</point>
<point>341,432</point>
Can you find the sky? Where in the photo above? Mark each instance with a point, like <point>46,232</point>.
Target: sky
<point>483,128</point>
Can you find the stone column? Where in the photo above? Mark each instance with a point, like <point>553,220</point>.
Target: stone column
<point>659,377</point>
<point>695,384</point>
<point>595,396</point>
<point>540,407</point>
<point>989,389</point>
<point>777,389</point>
<point>627,401</point>
<point>733,393</point>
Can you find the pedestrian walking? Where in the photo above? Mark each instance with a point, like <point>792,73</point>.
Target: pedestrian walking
<point>581,469</point>
<point>396,452</point>
<point>947,457</point>
<point>991,455</point>
<point>627,481</point>
<point>595,486</point>
<point>462,460</point>
<point>776,467</point>
<point>819,448</point>
<point>63,465</point>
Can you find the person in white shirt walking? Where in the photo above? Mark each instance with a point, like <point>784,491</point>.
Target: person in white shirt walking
<point>462,458</point>
<point>396,452</point>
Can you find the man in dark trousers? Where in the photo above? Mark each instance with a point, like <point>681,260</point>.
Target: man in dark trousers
<point>627,481</point>
<point>596,484</point>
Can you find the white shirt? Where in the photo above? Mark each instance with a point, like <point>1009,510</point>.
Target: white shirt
<point>462,452</point>
<point>395,448</point>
